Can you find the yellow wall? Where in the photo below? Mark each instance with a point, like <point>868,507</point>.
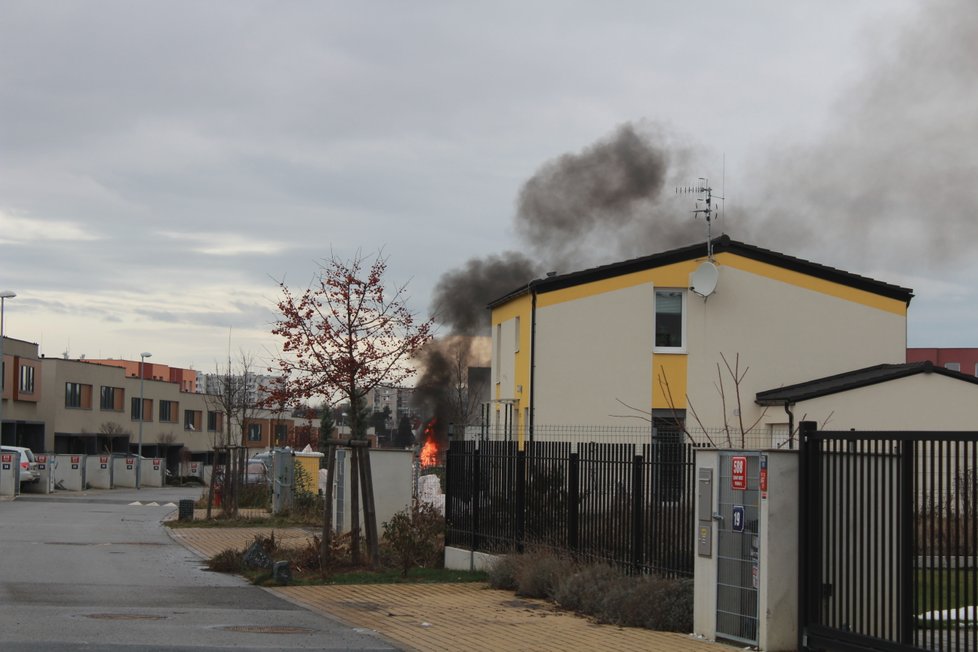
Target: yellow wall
<point>520,307</point>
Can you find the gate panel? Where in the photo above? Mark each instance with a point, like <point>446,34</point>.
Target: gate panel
<point>738,547</point>
<point>888,540</point>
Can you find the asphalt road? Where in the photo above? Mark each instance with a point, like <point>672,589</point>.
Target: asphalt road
<point>90,571</point>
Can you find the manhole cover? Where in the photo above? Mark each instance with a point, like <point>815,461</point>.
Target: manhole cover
<point>259,629</point>
<point>125,617</point>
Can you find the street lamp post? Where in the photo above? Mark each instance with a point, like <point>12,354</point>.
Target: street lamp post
<point>142,417</point>
<point>4,295</point>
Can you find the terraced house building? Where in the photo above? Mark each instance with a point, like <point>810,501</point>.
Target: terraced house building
<point>703,336</point>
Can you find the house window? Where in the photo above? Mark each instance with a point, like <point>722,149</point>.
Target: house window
<point>953,366</point>
<point>73,395</point>
<point>254,432</point>
<point>110,398</point>
<point>497,346</point>
<point>213,421</point>
<point>168,411</point>
<point>137,411</point>
<point>191,420</point>
<point>281,433</point>
<point>516,336</point>
<point>27,380</point>
<point>670,321</point>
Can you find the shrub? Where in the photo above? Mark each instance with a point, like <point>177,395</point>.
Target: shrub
<point>540,573</point>
<point>598,590</point>
<point>416,536</point>
<point>502,572</point>
<point>227,561</point>
<point>583,592</point>
<point>649,602</point>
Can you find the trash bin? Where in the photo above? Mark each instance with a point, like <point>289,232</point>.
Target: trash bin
<point>186,510</point>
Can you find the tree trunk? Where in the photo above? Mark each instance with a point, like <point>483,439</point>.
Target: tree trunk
<point>354,510</point>
<point>369,509</point>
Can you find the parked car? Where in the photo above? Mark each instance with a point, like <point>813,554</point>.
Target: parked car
<point>256,472</point>
<point>28,464</point>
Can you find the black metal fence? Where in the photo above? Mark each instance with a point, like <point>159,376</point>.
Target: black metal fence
<point>890,540</point>
<point>619,503</point>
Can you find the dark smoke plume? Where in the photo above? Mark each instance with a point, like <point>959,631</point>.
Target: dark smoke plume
<point>577,210</point>
<point>606,201</point>
<point>461,296</point>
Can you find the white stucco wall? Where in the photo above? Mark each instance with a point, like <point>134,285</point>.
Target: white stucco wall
<point>784,334</point>
<point>920,402</point>
<point>592,352</point>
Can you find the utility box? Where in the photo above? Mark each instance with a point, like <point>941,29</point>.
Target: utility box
<point>69,472</point>
<point>152,472</point>
<point>124,470</point>
<point>196,469</point>
<point>9,473</point>
<point>283,479</point>
<point>309,462</point>
<point>98,471</point>
<point>393,477</point>
<point>45,466</point>
<point>745,569</point>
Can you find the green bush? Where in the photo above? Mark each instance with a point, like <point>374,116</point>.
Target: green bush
<point>415,536</point>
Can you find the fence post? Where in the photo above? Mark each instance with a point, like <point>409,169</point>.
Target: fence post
<point>808,493</point>
<point>638,513</point>
<point>476,484</point>
<point>520,499</point>
<point>573,498</point>
<point>906,545</point>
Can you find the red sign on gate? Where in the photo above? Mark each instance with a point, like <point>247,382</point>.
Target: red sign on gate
<point>738,472</point>
<point>7,458</point>
<point>74,459</point>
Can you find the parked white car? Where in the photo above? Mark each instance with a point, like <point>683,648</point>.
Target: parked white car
<point>28,464</point>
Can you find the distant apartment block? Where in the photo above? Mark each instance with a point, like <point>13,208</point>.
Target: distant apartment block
<point>964,360</point>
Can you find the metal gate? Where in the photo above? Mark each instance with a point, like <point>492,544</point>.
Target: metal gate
<point>738,547</point>
<point>888,540</point>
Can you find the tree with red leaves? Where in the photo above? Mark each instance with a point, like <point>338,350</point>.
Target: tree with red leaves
<point>346,334</point>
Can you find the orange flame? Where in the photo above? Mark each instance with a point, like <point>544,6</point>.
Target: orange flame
<point>429,452</point>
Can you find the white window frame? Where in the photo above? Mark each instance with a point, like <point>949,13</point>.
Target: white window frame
<point>669,349</point>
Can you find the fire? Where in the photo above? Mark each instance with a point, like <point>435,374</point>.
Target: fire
<point>429,452</point>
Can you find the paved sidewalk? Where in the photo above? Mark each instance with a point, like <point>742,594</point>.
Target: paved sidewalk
<point>446,616</point>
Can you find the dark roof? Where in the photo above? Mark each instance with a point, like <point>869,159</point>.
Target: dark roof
<point>693,252</point>
<point>854,379</point>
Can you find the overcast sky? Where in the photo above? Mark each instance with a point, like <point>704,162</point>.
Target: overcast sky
<point>163,164</point>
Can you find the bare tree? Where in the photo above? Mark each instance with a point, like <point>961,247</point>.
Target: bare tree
<point>237,400</point>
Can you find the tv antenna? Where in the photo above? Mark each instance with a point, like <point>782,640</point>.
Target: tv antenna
<point>704,207</point>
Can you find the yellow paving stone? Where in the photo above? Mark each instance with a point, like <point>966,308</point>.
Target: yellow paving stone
<point>447,617</point>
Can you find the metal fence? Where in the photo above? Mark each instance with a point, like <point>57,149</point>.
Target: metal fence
<point>766,437</point>
<point>629,504</point>
<point>890,540</point>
